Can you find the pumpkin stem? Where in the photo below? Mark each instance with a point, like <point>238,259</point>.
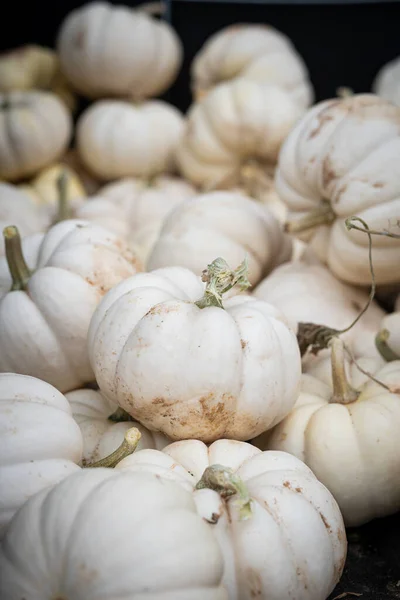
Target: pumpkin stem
<point>128,446</point>
<point>257,179</point>
<point>385,232</point>
<point>343,392</point>
<point>322,215</point>
<point>119,416</point>
<point>64,212</point>
<point>220,279</point>
<point>344,92</point>
<point>317,337</point>
<point>19,270</point>
<point>157,9</point>
<point>224,481</point>
<point>383,347</point>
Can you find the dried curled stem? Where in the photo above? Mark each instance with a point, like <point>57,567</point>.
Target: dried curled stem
<point>220,278</point>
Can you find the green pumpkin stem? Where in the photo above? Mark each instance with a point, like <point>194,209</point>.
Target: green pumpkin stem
<point>64,211</point>
<point>343,392</point>
<point>128,446</point>
<point>383,347</point>
<point>226,483</point>
<point>321,215</point>
<point>19,270</point>
<point>220,278</point>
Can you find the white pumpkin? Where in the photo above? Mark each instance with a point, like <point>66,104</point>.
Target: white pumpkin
<point>135,208</point>
<point>72,160</point>
<point>388,337</point>
<point>118,139</point>
<point>227,224</point>
<point>387,81</point>
<point>341,160</point>
<point>106,534</point>
<point>281,533</point>
<point>44,320</point>
<point>40,443</point>
<point>35,130</point>
<point>238,124</point>
<point>16,208</point>
<point>309,293</point>
<point>101,436</point>
<point>255,52</point>
<point>108,50</point>
<point>349,438</point>
<point>193,372</point>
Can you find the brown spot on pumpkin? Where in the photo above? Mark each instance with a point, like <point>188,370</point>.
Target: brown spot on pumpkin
<point>356,305</point>
<point>287,484</point>
<point>243,343</point>
<point>325,522</point>
<point>80,39</point>
<point>323,118</point>
<point>378,185</point>
<point>254,582</point>
<point>328,173</point>
<point>163,309</point>
<point>299,490</point>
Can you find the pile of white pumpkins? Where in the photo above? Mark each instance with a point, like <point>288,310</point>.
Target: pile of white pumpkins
<point>198,392</point>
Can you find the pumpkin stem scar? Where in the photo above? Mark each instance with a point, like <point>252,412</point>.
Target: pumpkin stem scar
<point>343,392</point>
<point>63,212</point>
<point>314,337</point>
<point>322,215</point>
<point>128,446</point>
<point>120,416</point>
<point>220,278</point>
<point>224,481</point>
<point>19,270</point>
<point>381,343</point>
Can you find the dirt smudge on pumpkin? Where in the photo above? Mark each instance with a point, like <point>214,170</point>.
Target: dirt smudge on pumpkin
<point>325,522</point>
<point>243,343</point>
<point>254,582</point>
<point>323,118</point>
<point>328,173</point>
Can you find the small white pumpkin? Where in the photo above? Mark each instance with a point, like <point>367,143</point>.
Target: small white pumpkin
<point>135,208</point>
<point>279,529</point>
<point>108,50</point>
<point>40,443</point>
<point>255,52</point>
<point>45,317</point>
<point>238,124</point>
<point>309,293</point>
<point>106,534</point>
<point>102,435</point>
<point>16,208</point>
<point>226,224</point>
<point>348,437</point>
<point>35,130</point>
<point>118,139</point>
<point>341,160</point>
<point>164,349</point>
<point>388,337</point>
<point>387,81</point>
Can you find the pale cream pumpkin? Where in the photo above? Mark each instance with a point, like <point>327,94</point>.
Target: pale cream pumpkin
<point>102,435</point>
<point>387,81</point>
<point>349,438</point>
<point>226,224</point>
<point>239,124</point>
<point>279,529</point>
<point>34,67</point>
<point>40,443</point>
<point>108,50</point>
<point>155,546</point>
<point>118,139</point>
<point>35,130</point>
<point>341,160</point>
<point>256,52</point>
<point>388,337</point>
<point>17,209</point>
<point>45,317</point>
<point>165,350</point>
<point>136,208</point>
<point>309,293</point>
<point>44,190</point>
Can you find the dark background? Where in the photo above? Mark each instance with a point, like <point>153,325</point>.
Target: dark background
<point>342,44</point>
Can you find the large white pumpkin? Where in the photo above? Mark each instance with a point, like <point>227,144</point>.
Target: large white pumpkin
<point>227,224</point>
<point>349,437</point>
<point>341,160</point>
<point>239,123</point>
<point>45,317</point>
<point>255,52</point>
<point>193,372</point>
<point>117,139</point>
<point>108,50</point>
<point>106,534</point>
<point>387,81</point>
<point>40,443</point>
<point>102,435</point>
<point>136,208</point>
<point>311,294</point>
<point>281,533</point>
<point>35,130</point>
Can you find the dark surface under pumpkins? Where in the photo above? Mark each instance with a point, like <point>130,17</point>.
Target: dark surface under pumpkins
<point>372,570</point>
